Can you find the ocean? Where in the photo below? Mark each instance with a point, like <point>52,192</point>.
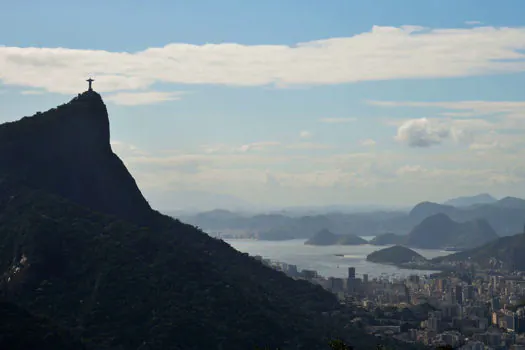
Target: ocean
<point>324,260</point>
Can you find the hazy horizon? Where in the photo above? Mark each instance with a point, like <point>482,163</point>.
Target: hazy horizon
<point>336,104</point>
<point>189,205</point>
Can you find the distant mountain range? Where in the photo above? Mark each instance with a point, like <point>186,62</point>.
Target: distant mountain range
<point>483,198</point>
<point>325,237</point>
<point>506,216</point>
<point>439,231</point>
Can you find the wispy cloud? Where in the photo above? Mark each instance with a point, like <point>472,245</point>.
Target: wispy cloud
<point>305,134</point>
<point>383,53</point>
<point>473,107</point>
<point>472,23</point>
<point>32,92</point>
<point>143,98</point>
<point>458,114</point>
<point>368,143</point>
<point>337,120</point>
<point>258,146</point>
<point>308,146</point>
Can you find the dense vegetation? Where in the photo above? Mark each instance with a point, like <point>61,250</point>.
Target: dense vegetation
<point>119,284</point>
<point>145,282</point>
<point>21,330</point>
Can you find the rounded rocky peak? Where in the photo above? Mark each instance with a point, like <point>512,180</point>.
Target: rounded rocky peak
<point>89,96</point>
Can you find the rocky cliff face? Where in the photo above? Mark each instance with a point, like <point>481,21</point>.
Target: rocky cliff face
<point>66,150</point>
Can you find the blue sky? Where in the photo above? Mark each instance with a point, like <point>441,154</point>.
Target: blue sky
<point>278,103</point>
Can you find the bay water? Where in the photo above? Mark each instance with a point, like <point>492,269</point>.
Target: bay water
<point>329,261</point>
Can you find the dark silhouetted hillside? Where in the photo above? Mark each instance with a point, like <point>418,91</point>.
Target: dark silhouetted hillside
<point>66,150</point>
<point>439,231</point>
<point>20,330</point>
<point>81,246</point>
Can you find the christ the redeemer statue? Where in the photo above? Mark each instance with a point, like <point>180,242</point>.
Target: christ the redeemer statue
<point>90,81</point>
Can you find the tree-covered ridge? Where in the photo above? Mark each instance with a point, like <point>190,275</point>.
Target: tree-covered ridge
<point>137,279</point>
<point>116,284</point>
<point>20,330</point>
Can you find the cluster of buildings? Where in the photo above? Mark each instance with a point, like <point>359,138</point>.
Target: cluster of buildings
<point>481,310</point>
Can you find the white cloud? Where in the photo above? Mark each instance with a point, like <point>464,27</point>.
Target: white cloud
<point>421,133</point>
<point>143,98</point>
<point>305,134</point>
<point>470,122</point>
<point>471,23</point>
<point>426,132</point>
<point>337,120</point>
<point>368,143</point>
<point>384,53</point>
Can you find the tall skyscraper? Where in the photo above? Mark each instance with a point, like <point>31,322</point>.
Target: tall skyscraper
<point>459,294</point>
<point>351,272</point>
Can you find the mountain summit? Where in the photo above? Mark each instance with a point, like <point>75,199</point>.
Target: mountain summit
<point>67,151</point>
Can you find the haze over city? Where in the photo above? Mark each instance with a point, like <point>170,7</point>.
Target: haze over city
<point>274,104</point>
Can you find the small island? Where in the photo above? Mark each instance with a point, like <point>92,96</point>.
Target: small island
<point>325,237</point>
<point>395,255</point>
